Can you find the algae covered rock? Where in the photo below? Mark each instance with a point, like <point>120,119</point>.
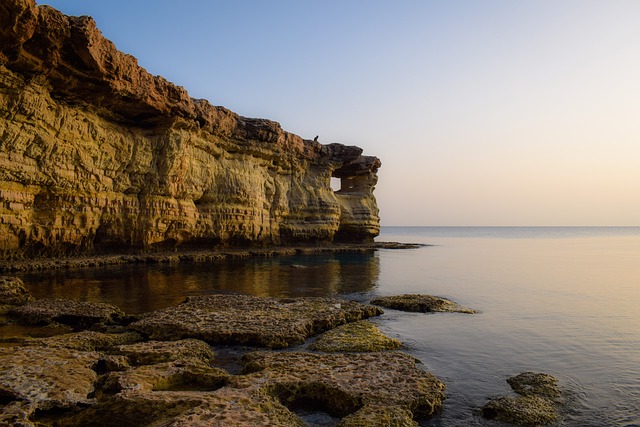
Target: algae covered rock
<point>248,320</point>
<point>420,303</point>
<point>68,312</point>
<point>535,384</point>
<point>537,403</point>
<point>358,336</point>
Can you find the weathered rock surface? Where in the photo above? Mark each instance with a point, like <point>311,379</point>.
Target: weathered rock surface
<point>248,320</point>
<point>13,291</point>
<point>420,303</point>
<point>537,403</point>
<point>373,389</point>
<point>153,352</point>
<point>68,312</point>
<point>46,378</point>
<point>97,154</point>
<point>355,387</point>
<point>86,340</point>
<point>358,336</point>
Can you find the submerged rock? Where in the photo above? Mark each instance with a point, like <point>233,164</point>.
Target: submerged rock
<point>420,303</point>
<point>358,336</point>
<point>537,403</point>
<point>248,320</point>
<point>68,312</point>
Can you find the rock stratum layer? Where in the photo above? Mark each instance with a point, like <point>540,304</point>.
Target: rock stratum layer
<point>97,153</point>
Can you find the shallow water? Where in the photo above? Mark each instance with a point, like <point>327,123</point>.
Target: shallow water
<point>565,301</point>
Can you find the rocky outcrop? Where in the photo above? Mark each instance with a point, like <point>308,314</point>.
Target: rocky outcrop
<point>97,153</point>
<point>538,401</point>
<point>360,336</point>
<point>421,304</point>
<point>253,321</point>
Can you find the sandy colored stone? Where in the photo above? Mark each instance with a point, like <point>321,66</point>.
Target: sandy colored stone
<point>97,153</point>
<point>372,389</point>
<point>420,303</point>
<point>249,320</point>
<point>47,378</point>
<point>68,312</point>
<point>152,352</point>
<point>344,384</point>
<point>358,336</point>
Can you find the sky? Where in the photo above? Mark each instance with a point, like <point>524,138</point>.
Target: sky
<point>483,112</point>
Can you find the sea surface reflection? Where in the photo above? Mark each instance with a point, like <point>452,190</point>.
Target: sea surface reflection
<point>141,288</point>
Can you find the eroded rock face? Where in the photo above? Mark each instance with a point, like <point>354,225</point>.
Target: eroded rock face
<point>96,153</point>
<point>248,320</point>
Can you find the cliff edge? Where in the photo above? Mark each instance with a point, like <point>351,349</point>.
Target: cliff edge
<point>97,154</point>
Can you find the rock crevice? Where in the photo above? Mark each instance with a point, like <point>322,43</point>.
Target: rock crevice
<point>97,153</point>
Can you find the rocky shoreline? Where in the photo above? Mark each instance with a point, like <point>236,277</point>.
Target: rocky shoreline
<point>188,256</point>
<point>232,360</point>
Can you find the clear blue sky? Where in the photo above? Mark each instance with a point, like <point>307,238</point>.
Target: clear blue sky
<point>494,112</point>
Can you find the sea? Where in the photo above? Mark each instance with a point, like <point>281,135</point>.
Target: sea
<point>559,300</point>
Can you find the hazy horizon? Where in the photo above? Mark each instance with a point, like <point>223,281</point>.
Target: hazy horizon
<point>483,113</point>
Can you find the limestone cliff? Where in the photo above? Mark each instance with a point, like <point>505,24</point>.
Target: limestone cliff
<point>96,153</point>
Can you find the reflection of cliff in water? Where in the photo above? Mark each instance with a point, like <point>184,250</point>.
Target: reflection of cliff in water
<point>142,288</point>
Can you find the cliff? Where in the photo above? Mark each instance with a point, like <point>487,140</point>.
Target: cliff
<point>98,154</point>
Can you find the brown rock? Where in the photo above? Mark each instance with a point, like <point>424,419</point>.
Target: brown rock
<point>420,303</point>
<point>86,341</point>
<point>377,389</point>
<point>248,320</point>
<point>152,352</point>
<point>538,402</point>
<point>47,378</point>
<point>68,312</point>
<point>345,384</point>
<point>13,291</point>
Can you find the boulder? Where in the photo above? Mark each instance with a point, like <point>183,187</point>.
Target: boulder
<point>538,401</point>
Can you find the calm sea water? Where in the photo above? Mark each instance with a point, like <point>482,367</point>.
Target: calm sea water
<point>565,301</point>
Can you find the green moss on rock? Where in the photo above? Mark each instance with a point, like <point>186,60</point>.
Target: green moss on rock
<point>361,336</point>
